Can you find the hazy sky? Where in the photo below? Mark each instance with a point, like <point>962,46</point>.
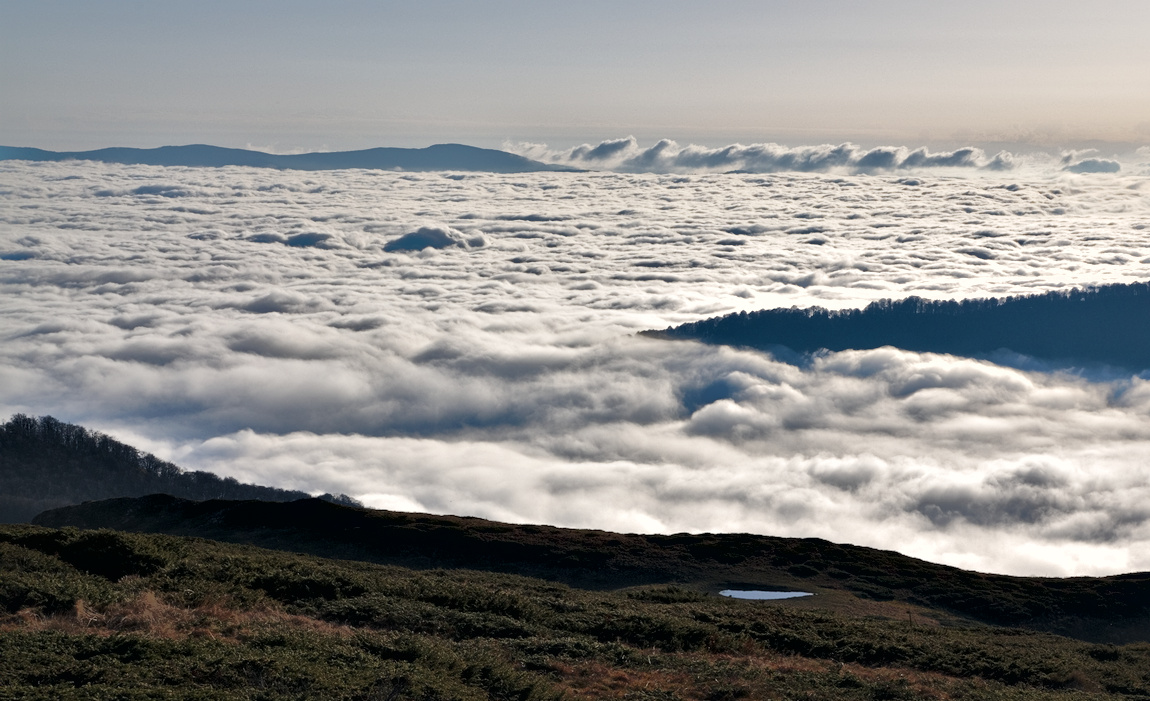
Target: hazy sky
<point>286,74</point>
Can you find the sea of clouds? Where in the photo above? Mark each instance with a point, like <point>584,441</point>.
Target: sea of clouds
<point>627,155</point>
<point>465,343</point>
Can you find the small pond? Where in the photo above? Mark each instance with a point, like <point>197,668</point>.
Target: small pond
<point>763,595</point>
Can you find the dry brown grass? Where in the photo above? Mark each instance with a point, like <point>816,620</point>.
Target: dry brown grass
<point>755,677</point>
<point>596,680</point>
<point>148,614</point>
<point>849,604</point>
<point>752,673</point>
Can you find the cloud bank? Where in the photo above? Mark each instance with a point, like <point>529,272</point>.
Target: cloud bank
<point>666,156</point>
<point>256,324</point>
<point>1074,162</point>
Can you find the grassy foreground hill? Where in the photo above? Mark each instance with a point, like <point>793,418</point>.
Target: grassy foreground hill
<point>105,614</point>
<point>1101,609</point>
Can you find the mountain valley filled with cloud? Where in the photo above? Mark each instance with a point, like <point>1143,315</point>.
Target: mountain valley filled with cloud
<point>466,343</point>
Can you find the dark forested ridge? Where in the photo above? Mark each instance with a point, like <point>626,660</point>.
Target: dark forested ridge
<point>1108,325</point>
<point>1112,609</point>
<point>46,463</point>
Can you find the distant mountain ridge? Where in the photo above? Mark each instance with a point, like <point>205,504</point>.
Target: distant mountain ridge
<point>46,463</point>
<point>433,158</point>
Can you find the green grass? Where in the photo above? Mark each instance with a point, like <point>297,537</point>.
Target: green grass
<point>1099,609</point>
<point>103,614</point>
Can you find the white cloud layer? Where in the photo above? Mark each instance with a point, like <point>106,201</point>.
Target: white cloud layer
<point>265,325</point>
<point>666,156</point>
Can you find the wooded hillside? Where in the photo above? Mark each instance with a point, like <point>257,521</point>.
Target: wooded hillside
<point>1108,325</point>
<point>46,463</point>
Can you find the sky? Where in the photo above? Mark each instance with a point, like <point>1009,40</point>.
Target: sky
<point>291,75</point>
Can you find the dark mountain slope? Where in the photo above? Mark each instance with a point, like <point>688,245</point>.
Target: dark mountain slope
<point>1108,325</point>
<point>45,463</point>
<point>437,157</point>
<point>1115,609</point>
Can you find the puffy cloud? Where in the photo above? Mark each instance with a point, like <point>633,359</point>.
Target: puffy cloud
<point>305,240</point>
<point>1094,165</point>
<point>666,156</point>
<point>430,237</point>
<point>1075,162</point>
<point>505,380</point>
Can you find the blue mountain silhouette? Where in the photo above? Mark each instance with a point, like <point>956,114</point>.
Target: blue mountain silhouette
<point>1099,326</point>
<point>438,157</point>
